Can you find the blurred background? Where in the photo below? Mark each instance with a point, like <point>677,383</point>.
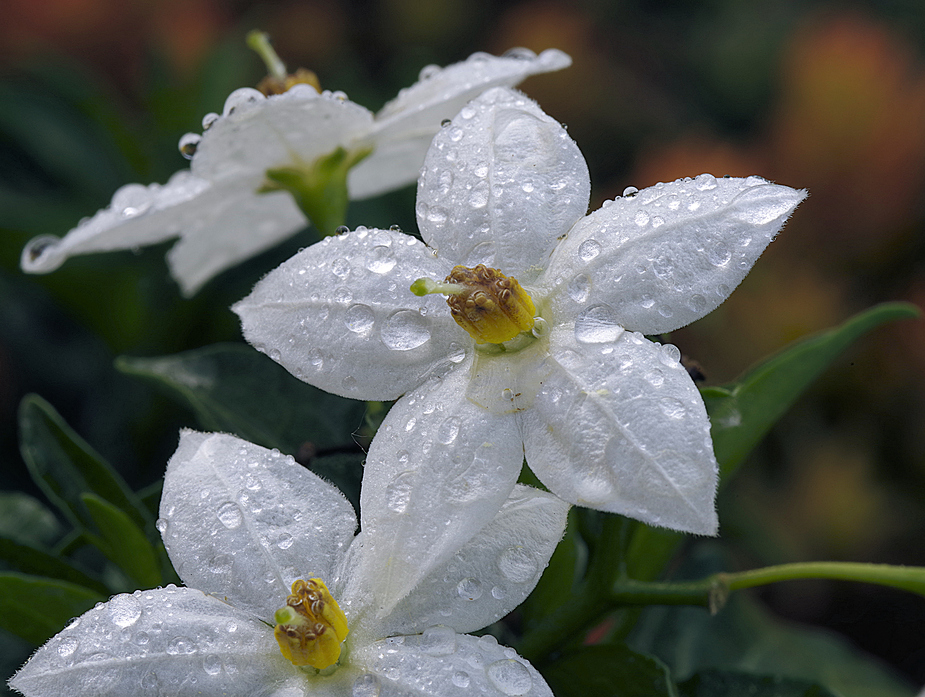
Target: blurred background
<point>823,95</point>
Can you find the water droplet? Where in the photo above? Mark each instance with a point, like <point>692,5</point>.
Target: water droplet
<point>705,182</point>
<point>479,196</point>
<point>411,423</point>
<point>340,268</point>
<point>540,327</point>
<point>241,99</point>
<point>405,330</point>
<point>341,230</point>
<point>208,120</point>
<point>161,525</point>
<point>212,664</point>
<point>124,610</point>
<point>445,123</point>
<point>251,483</point>
<point>359,318</point>
<point>517,564</point>
<point>663,266</point>
<point>630,191</point>
<point>150,681</point>
<point>367,685</point>
<point>448,430</point>
<point>672,408</point>
<point>457,353</point>
<point>380,260</point>
<point>316,359</point>
<point>510,676</point>
<point>579,288</point>
<point>349,382</point>
<point>641,218</point>
<point>181,646</point>
<point>428,71</point>
<point>697,303</point>
<point>142,638</point>
<point>597,325</point>
<point>398,492</point>
<point>455,133</point>
<point>719,254</point>
<point>670,354</point>
<point>67,646</point>
<point>469,589</point>
<point>467,112</point>
<point>438,641</point>
<point>188,144</point>
<point>589,249</point>
<point>460,678</point>
<point>285,541</point>
<point>220,563</point>
<point>437,215</point>
<point>656,378</point>
<point>498,593</point>
<point>520,53</point>
<point>230,515</point>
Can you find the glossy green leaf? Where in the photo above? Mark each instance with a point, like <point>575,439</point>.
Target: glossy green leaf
<point>65,466</point>
<point>742,412</point>
<point>609,670</point>
<point>37,608</point>
<point>26,520</point>
<point>235,389</point>
<point>124,543</point>
<point>29,560</point>
<point>718,683</point>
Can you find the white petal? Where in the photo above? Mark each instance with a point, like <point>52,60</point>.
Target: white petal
<point>341,316</point>
<point>256,133</point>
<point>492,574</point>
<point>406,125</point>
<point>173,641</point>
<point>670,254</point>
<point>243,522</point>
<point>442,663</point>
<point>619,426</point>
<point>438,470</point>
<point>137,215</point>
<point>500,185</point>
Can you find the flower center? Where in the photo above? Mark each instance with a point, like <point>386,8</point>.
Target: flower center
<point>311,626</point>
<point>492,307</point>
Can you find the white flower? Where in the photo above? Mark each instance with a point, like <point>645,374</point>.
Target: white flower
<point>215,208</point>
<point>242,523</point>
<point>606,418</point>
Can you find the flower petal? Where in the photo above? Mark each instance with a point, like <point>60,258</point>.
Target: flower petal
<point>137,215</point>
<point>442,663</point>
<point>492,574</point>
<point>243,522</point>
<point>619,426</point>
<point>256,133</point>
<point>174,641</point>
<point>341,316</point>
<point>437,472</point>
<point>671,253</point>
<point>407,124</point>
<point>500,185</point>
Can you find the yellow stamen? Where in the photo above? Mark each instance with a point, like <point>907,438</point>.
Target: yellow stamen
<point>492,307</point>
<point>311,626</point>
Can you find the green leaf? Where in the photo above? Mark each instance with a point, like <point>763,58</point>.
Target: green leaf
<point>235,389</point>
<point>37,608</point>
<point>743,411</point>
<point>124,543</point>
<point>26,520</point>
<point>29,560</point>
<point>65,466</point>
<point>610,670</point>
<point>719,683</point>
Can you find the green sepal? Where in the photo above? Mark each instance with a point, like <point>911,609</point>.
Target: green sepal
<point>64,466</point>
<point>319,188</point>
<point>36,608</point>
<point>234,389</point>
<point>123,542</point>
<point>609,669</point>
<point>27,520</point>
<point>27,559</point>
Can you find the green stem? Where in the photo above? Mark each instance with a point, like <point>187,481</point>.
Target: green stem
<point>259,41</point>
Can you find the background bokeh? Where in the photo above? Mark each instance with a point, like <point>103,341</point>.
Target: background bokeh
<point>826,96</point>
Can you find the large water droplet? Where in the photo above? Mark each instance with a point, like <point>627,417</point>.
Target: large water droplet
<point>448,430</point>
<point>212,664</point>
<point>398,492</point>
<point>181,646</point>
<point>719,254</point>
<point>367,685</point>
<point>209,119</point>
<point>438,641</point>
<point>230,515</point>
<point>359,318</point>
<point>517,564</point>
<point>380,259</point>
<point>188,144</point>
<point>405,330</point>
<point>672,408</point>
<point>284,541</point>
<point>510,676</point>
<point>460,678</point>
<point>241,99</point>
<point>579,288</point>
<point>469,589</point>
<point>124,610</point>
<point>630,191</point>
<point>589,249</point>
<point>641,219</point>
<point>705,182</point>
<point>670,355</point>
<point>597,325</point>
<point>67,646</point>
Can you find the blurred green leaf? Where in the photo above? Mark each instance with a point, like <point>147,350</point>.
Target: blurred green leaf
<point>65,466</point>
<point>235,389</point>
<point>125,543</point>
<point>36,608</point>
<point>29,560</point>
<point>558,580</point>
<point>613,670</point>
<point>744,410</point>
<point>26,520</point>
<point>718,683</point>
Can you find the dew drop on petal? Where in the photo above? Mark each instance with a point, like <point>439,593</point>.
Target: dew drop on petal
<point>380,259</point>
<point>284,541</point>
<point>181,646</point>
<point>672,408</point>
<point>124,610</point>
<point>359,318</point>
<point>367,685</point>
<point>405,330</point>
<point>460,678</point>
<point>597,325</point>
<point>209,119</point>
<point>469,589</point>
<point>517,564</point>
<point>579,288</point>
<point>438,641</point>
<point>697,303</point>
<point>398,492</point>
<point>498,593</point>
<point>510,677</point>
<point>641,219</point>
<point>670,354</point>
<point>630,191</point>
<point>230,515</point>
<point>448,430</point>
<point>188,144</point>
<point>589,249</point>
<point>161,525</point>
<point>719,254</point>
<point>705,182</point>
<point>67,646</point>
<point>212,664</point>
